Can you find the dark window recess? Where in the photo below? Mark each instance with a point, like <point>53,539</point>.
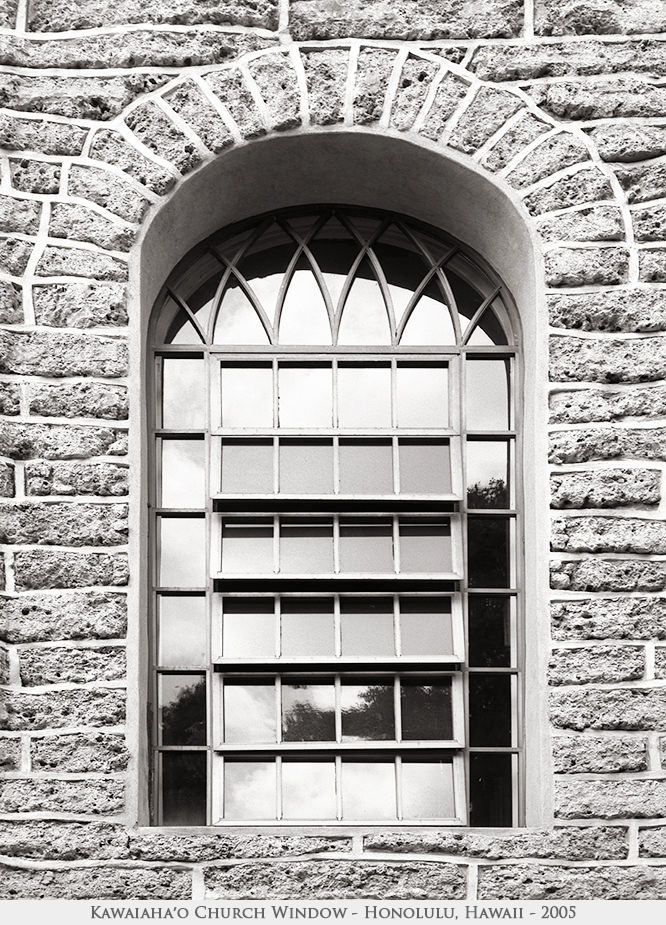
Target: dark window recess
<point>490,710</point>
<point>184,788</point>
<point>488,552</point>
<point>491,785</point>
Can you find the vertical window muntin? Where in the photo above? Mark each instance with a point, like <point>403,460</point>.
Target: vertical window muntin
<point>213,435</point>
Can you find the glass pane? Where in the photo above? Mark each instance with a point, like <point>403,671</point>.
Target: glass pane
<point>308,790</point>
<point>237,321</point>
<point>181,631</point>
<point>368,790</point>
<point>488,552</point>
<point>306,396</point>
<point>487,474</point>
<point>247,396</point>
<point>366,546</point>
<point>248,628</point>
<point>183,473</point>
<point>430,322</point>
<point>183,394</point>
<point>425,467</point>
<point>425,626</point>
<point>182,709</point>
<point>335,253</point>
<point>364,316</point>
<point>489,328</point>
<point>249,789</point>
<point>198,284</point>
<point>306,467</point>
<point>468,299</point>
<point>487,394</point>
<point>426,709</point>
<point>367,627</point>
<point>184,786</point>
<point>182,331</point>
<point>306,546</point>
<point>366,467</point>
<point>364,395</point>
<point>489,709</point>
<point>308,712</point>
<point>490,784</point>
<point>427,790</point>
<point>425,546</point>
<point>304,319</point>
<point>182,552</point>
<point>265,263</point>
<point>368,712</point>
<point>403,267</point>
<point>489,631</point>
<point>247,467</point>
<point>307,627</point>
<point>422,395</point>
<point>247,548</point>
<point>249,712</point>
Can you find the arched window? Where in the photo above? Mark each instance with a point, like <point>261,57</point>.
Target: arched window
<point>335,529</point>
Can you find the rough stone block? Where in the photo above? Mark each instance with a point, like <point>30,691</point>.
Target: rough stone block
<point>604,488</point>
<point>55,616</point>
<point>53,441</point>
<point>584,186</point>
<point>373,72</point>
<point>44,136</point>
<point>79,223</point>
<point>58,709</point>
<point>484,116</point>
<point>598,223</point>
<point>578,359</point>
<point>232,90</point>
<point>526,130</point>
<point>217,847</point>
<point>571,842</point>
<point>553,17</point>
<point>80,305</point>
<point>10,398</point>
<point>622,97</point>
<point>326,75</point>
<point>609,534</point>
<point>551,883</point>
<point>596,664</point>
<point>190,104</point>
<point>643,182</point>
<point>7,486</point>
<point>39,569</point>
<point>98,883</point>
<point>86,399</point>
<point>60,665</point>
<point>629,141</point>
<point>569,267</point>
<point>62,841</point>
<point>383,19</point>
<point>84,797</point>
<point>74,261</point>
<point>336,880</point>
<point>21,215</point>
<point>14,255</point>
<point>599,754</point>
<point>57,524</point>
<point>609,799</point>
<point>103,479</point>
<point>152,127</point>
<point>74,97</point>
<point>577,446</point>
<point>275,77</point>
<point>587,405</point>
<point>60,15</point>
<point>609,618</point>
<point>111,148</point>
<point>553,153</point>
<point>649,223</point>
<point>4,666</point>
<point>10,754</point>
<point>108,190</point>
<point>8,14</point>
<point>79,753</point>
<point>595,574</point>
<point>32,176</point>
<point>450,92</point>
<point>11,310</point>
<point>660,663</point>
<point>637,708</point>
<point>652,842</point>
<point>415,80</point>
<point>57,355</point>
<point>652,265</point>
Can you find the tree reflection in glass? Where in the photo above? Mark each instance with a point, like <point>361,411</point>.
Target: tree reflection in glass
<point>182,709</point>
<point>308,712</point>
<point>426,709</point>
<point>368,712</point>
<point>487,474</point>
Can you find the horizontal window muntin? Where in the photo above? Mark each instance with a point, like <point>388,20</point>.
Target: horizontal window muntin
<point>338,789</point>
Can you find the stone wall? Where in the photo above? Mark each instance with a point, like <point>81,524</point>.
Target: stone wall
<point>105,108</point>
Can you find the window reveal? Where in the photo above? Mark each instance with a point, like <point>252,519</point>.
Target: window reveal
<point>335,604</point>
